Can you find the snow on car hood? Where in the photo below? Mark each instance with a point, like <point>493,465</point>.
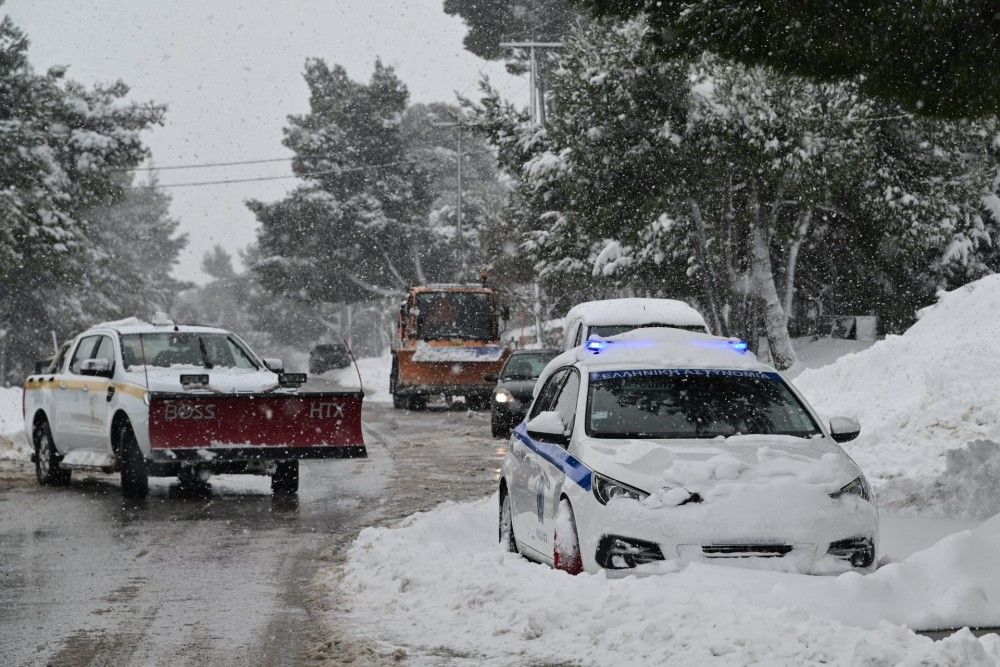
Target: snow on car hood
<point>670,470</point>
<point>226,380</point>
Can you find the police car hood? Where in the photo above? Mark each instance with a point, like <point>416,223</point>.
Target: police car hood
<point>678,467</point>
<point>224,380</point>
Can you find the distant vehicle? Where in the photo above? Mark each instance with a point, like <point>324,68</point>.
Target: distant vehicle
<point>615,316</point>
<point>166,400</point>
<point>327,357</point>
<point>512,395</point>
<point>448,344</point>
<point>664,444</point>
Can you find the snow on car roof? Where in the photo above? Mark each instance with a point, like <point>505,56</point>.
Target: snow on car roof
<point>134,325</point>
<point>636,311</point>
<point>658,347</point>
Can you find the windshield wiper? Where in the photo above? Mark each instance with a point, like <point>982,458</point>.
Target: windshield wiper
<point>204,354</point>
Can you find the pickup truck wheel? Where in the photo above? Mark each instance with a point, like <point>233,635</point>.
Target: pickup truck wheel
<point>285,479</point>
<point>47,467</point>
<point>416,403</point>
<point>135,478</point>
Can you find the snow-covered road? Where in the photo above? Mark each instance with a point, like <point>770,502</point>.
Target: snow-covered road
<point>233,577</point>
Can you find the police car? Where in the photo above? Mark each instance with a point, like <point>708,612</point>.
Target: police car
<point>662,444</point>
<point>164,399</point>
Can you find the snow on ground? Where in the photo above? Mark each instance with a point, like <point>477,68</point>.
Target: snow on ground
<point>926,401</point>
<point>12,443</point>
<point>438,584</point>
<point>374,377</point>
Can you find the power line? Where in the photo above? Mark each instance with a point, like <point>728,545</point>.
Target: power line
<point>205,165</point>
<point>227,181</point>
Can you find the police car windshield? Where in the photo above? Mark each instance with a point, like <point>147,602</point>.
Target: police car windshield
<point>205,350</point>
<point>608,330</point>
<point>693,403</point>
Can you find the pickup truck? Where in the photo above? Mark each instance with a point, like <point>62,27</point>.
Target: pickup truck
<point>169,400</point>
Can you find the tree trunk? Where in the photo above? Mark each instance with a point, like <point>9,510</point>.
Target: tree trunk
<point>762,274</point>
<point>711,293</point>
<point>793,257</point>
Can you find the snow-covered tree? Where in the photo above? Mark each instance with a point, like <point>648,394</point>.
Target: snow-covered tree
<point>378,210</point>
<point>63,149</point>
<point>937,57</point>
<point>681,177</point>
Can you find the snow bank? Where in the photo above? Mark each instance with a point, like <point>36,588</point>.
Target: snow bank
<point>438,584</point>
<point>12,443</point>
<point>374,376</point>
<point>921,394</point>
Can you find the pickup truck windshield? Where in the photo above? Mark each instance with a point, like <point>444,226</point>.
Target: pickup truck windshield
<point>466,315</point>
<point>693,403</point>
<point>204,350</point>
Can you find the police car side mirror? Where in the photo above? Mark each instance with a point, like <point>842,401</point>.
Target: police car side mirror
<point>844,429</point>
<point>548,427</point>
<point>274,364</point>
<point>491,377</point>
<point>97,368</point>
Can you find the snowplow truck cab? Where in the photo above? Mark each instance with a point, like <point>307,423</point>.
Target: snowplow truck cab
<point>448,344</point>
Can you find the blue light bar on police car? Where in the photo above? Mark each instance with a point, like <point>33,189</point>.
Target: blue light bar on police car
<point>595,345</point>
<point>733,344</point>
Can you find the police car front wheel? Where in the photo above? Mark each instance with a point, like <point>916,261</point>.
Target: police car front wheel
<point>566,543</point>
<point>506,531</point>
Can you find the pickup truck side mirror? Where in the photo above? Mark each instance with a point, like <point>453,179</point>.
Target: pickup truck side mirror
<point>274,364</point>
<point>548,427</point>
<point>844,429</point>
<point>101,368</point>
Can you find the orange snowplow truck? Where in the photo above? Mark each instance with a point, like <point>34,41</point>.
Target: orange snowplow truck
<point>449,344</point>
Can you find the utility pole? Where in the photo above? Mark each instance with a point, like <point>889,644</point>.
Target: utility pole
<point>537,81</point>
<point>461,234</point>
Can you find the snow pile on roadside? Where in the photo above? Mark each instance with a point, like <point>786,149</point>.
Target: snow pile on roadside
<point>438,584</point>
<point>923,393</point>
<point>12,444</point>
<point>374,377</point>
<point>968,487</point>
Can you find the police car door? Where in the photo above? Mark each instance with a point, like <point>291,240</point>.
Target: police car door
<point>524,485</point>
<point>555,478</point>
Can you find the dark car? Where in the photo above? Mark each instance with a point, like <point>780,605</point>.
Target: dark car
<point>328,356</point>
<point>512,395</point>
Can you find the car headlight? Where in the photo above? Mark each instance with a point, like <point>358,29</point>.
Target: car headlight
<point>606,489</point>
<point>857,487</point>
<point>503,396</point>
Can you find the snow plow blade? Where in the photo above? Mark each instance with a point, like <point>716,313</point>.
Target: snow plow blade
<point>257,426</point>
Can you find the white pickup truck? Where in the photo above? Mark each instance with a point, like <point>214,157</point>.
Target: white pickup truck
<point>186,401</point>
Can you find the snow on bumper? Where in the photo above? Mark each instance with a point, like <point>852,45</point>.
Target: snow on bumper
<point>785,525</point>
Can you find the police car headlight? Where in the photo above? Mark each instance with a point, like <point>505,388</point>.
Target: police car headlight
<point>607,489</point>
<point>857,487</point>
<point>503,396</point>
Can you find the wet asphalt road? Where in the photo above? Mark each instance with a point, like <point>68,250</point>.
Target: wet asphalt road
<point>223,577</point>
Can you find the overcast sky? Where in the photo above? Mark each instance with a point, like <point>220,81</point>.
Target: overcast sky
<point>231,70</point>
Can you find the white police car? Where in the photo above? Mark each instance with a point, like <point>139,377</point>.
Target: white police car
<point>662,444</point>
